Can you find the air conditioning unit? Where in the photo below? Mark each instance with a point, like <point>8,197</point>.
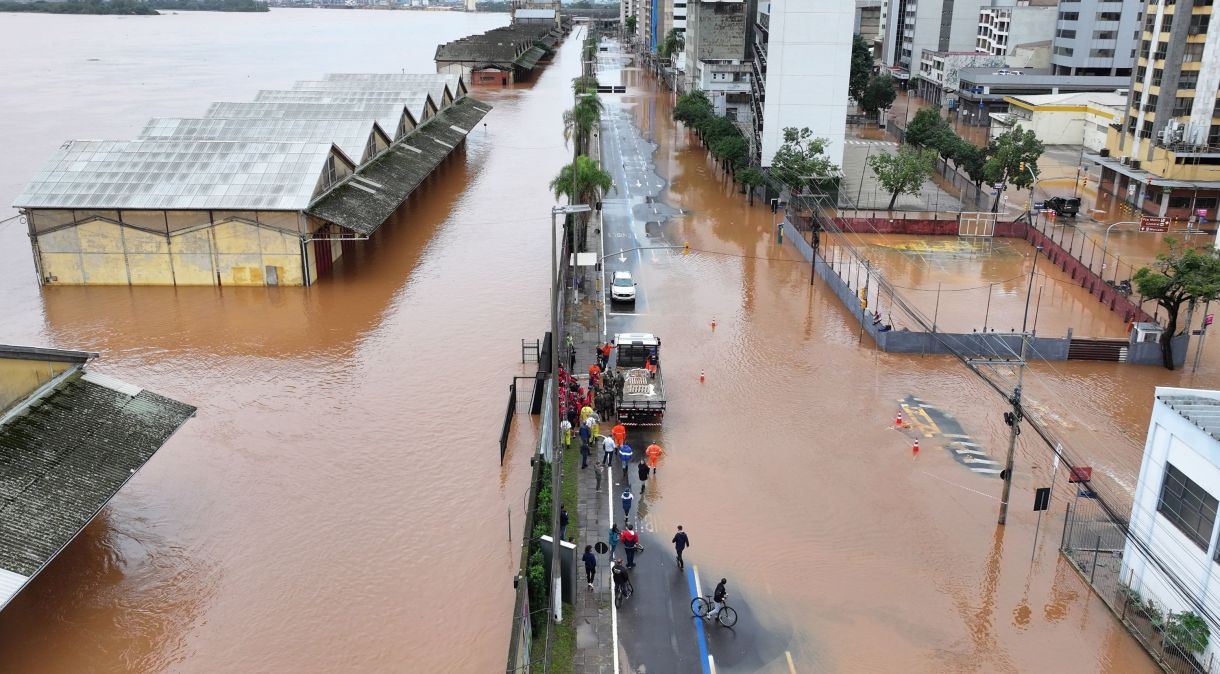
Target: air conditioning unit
<point>1105,152</point>
<point>1135,164</point>
<point>1125,160</point>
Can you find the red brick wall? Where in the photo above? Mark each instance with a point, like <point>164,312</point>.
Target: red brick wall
<point>1087,278</point>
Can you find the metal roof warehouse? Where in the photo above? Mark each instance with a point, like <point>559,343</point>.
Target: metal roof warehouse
<point>268,192</point>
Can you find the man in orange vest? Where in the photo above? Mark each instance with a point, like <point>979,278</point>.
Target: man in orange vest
<point>654,455</point>
<point>594,370</point>
<point>620,434</point>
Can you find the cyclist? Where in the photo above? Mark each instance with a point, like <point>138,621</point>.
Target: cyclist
<point>622,580</point>
<point>718,598</point>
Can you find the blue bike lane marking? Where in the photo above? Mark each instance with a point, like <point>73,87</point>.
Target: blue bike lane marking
<point>694,592</point>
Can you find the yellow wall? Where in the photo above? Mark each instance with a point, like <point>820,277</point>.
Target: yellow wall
<point>232,252</point>
<point>20,377</point>
<point>1162,162</point>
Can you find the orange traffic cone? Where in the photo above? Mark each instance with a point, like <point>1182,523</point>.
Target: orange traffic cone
<point>915,448</point>
<point>898,421</point>
<point>700,376</point>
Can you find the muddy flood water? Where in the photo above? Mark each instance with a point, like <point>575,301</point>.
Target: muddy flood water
<point>338,503</point>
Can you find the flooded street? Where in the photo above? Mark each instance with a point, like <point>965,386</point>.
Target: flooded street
<point>338,503</point>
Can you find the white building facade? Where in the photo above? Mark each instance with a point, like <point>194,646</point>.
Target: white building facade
<point>1174,513</point>
<point>805,49</point>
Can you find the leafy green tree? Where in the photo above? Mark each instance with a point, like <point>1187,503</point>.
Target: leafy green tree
<point>673,44</point>
<point>751,178</point>
<point>693,108</point>
<point>924,126</point>
<point>861,68</point>
<point>905,172</point>
<point>591,181</point>
<point>801,162</point>
<point>1012,159</point>
<point>971,158</point>
<point>878,95</point>
<point>629,23</point>
<point>1180,277</point>
<point>732,150</point>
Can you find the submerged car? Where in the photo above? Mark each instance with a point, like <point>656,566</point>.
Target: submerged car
<point>622,287</point>
<point>1068,206</point>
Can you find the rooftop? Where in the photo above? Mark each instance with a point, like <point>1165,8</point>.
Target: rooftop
<point>1081,98</point>
<point>436,85</point>
<point>534,14</point>
<point>366,200</point>
<point>415,101</point>
<point>178,174</point>
<point>350,135</point>
<point>65,451</point>
<point>1038,77</point>
<point>388,115</point>
<point>1201,411</point>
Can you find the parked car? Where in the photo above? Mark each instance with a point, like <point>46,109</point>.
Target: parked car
<point>1067,206</point>
<point>622,287</point>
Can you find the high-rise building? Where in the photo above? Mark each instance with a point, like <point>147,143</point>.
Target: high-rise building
<point>1005,25</point>
<point>802,57</point>
<point>716,55</point>
<point>911,26</point>
<point>1096,37</point>
<point>1165,156</point>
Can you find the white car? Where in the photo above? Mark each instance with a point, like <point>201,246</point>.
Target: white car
<point>622,287</point>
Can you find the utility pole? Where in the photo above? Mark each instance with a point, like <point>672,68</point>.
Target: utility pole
<point>1013,418</point>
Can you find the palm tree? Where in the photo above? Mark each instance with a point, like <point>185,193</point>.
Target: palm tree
<point>579,122</point>
<point>674,42</point>
<point>581,182</point>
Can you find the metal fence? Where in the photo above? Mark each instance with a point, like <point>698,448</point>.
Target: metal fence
<point>1095,543</point>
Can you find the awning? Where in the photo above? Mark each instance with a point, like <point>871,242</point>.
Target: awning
<point>530,58</point>
<point>367,199</point>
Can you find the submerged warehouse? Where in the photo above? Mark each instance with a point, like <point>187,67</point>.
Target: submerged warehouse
<point>269,192</point>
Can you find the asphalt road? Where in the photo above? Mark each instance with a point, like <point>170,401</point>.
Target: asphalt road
<point>657,632</point>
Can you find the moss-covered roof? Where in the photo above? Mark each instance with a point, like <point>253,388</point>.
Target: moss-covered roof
<point>367,199</point>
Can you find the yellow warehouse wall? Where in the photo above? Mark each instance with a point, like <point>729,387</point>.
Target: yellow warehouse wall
<point>20,377</point>
<point>104,253</point>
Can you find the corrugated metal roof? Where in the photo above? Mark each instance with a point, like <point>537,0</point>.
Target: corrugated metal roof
<point>534,14</point>
<point>388,115</point>
<point>436,86</point>
<point>1203,412</point>
<point>415,101</point>
<point>453,82</point>
<point>365,202</point>
<point>351,135</point>
<point>64,458</point>
<point>530,58</point>
<point>178,174</point>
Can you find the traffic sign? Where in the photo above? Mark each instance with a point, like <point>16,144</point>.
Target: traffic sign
<point>1081,474</point>
<point>1151,224</point>
<point>1042,498</point>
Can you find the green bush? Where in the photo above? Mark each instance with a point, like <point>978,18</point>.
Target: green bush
<point>1187,632</point>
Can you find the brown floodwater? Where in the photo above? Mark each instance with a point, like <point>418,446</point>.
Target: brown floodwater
<point>338,503</point>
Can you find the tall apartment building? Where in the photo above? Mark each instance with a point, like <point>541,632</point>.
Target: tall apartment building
<point>716,55</point>
<point>802,57</point>
<point>1005,25</point>
<point>1096,37</point>
<point>911,26</point>
<point>1165,156</point>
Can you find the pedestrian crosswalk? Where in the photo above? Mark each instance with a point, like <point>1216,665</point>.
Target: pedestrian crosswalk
<point>865,141</point>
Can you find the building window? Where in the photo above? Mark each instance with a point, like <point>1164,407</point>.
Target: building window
<point>1161,49</point>
<point>1064,51</point>
<point>1105,35</point>
<point>1188,80</point>
<point>1213,135</point>
<point>1185,504</point>
<point>1109,16</point>
<point>1184,202</point>
<point>1182,105</point>
<point>1157,74</point>
<point>1066,33</point>
<point>1103,53</point>
<point>1198,24</point>
<point>1069,16</point>
<point>1193,52</point>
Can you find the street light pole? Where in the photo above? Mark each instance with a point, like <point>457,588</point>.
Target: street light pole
<point>1105,240</point>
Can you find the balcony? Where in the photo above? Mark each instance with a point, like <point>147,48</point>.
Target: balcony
<point>1189,149</point>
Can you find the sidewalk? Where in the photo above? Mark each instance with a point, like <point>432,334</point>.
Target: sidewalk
<point>595,637</point>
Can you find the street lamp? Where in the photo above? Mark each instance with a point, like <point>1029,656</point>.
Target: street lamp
<point>556,460</point>
<point>1105,240</point>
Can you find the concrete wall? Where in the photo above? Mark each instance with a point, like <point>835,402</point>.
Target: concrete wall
<point>234,252</point>
<point>20,377</point>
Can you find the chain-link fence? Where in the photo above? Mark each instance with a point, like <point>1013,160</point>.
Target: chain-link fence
<point>1095,544</point>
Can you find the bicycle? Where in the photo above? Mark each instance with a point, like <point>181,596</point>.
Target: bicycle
<point>700,606</point>
<point>622,592</point>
